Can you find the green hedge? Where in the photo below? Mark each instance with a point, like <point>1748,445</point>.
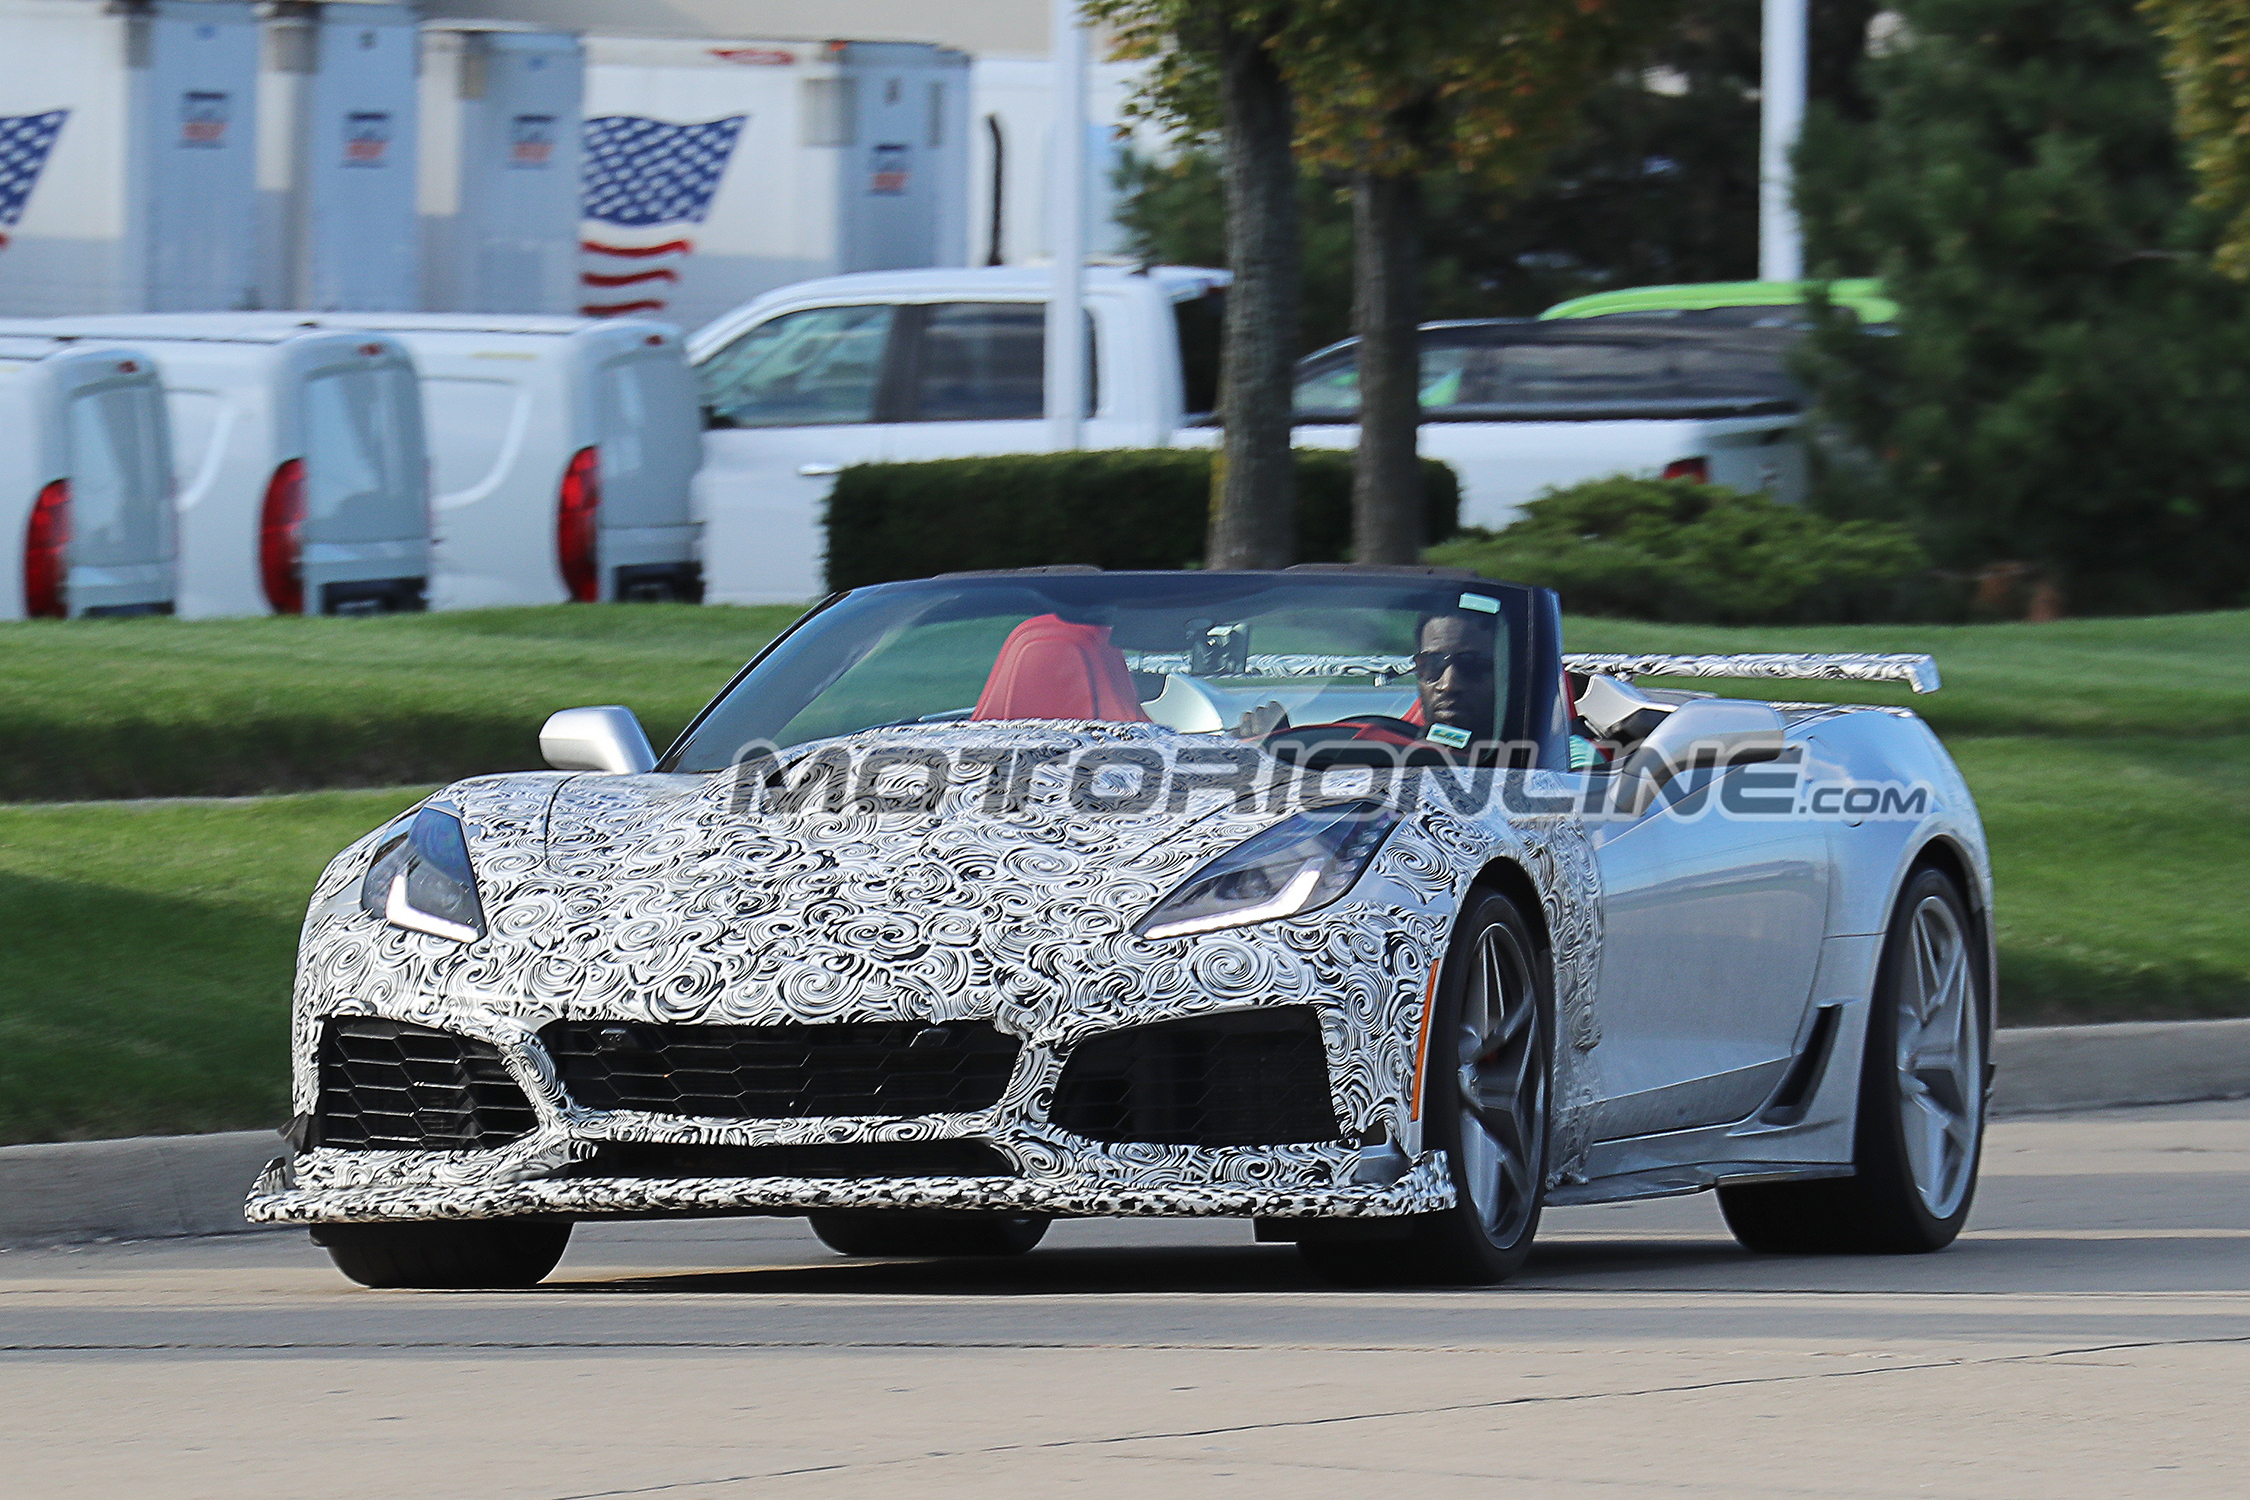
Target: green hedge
<point>1671,549</point>
<point>1114,508</point>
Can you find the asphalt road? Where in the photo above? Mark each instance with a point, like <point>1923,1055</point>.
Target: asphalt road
<point>2089,1336</point>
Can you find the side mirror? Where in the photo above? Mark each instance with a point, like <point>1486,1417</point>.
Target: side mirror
<point>1705,733</point>
<point>596,739</point>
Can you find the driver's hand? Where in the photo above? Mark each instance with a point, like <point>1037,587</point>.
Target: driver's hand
<point>1262,721</point>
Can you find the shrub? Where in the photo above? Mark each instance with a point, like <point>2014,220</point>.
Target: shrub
<point>1671,549</point>
<point>1114,508</point>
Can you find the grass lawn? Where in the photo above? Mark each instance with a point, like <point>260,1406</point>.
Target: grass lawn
<point>180,708</point>
<point>144,982</point>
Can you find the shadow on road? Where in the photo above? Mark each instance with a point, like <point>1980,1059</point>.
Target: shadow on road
<point>1216,1269</point>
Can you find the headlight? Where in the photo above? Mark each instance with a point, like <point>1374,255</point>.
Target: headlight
<point>1298,865</point>
<point>421,880</point>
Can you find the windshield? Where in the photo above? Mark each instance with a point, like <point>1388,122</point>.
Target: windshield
<point>1496,371</point>
<point>1241,655</point>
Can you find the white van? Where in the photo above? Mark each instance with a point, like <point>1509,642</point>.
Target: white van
<point>300,459</point>
<point>85,482</point>
<point>562,454</point>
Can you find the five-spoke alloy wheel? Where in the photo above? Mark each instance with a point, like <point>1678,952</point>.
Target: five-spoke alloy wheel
<point>1920,1127</point>
<point>1486,1102</point>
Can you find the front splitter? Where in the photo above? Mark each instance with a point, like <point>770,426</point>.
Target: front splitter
<point>1426,1188</point>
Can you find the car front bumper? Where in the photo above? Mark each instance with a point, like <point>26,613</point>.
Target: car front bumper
<point>280,1198</point>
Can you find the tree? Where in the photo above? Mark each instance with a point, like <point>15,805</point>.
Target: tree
<point>2209,65</point>
<point>1393,91</point>
<point>1658,182</point>
<point>1218,69</point>
<point>2065,383</point>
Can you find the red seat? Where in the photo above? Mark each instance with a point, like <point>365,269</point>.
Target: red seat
<point>1050,668</point>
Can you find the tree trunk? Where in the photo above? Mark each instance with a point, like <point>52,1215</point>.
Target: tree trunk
<point>1254,517</point>
<point>1386,314</point>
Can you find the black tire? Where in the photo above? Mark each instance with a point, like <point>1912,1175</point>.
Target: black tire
<point>446,1252</point>
<point>1500,1181</point>
<point>899,1233</point>
<point>1911,1188</point>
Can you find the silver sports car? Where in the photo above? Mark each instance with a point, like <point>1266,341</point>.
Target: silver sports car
<point>1337,899</point>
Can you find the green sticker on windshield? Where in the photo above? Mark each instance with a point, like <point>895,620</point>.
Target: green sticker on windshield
<point>1447,734</point>
<point>1481,602</point>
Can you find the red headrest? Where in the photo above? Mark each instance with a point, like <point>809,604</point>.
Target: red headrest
<point>1415,715</point>
<point>1049,668</point>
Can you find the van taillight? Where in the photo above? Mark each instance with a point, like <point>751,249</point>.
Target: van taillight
<point>46,561</point>
<point>577,541</point>
<point>1697,469</point>
<point>281,539</point>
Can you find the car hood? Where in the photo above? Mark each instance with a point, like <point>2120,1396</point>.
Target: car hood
<point>683,897</point>
<point>1001,796</point>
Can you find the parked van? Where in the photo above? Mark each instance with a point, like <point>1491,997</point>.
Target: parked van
<point>85,482</point>
<point>562,451</point>
<point>300,458</point>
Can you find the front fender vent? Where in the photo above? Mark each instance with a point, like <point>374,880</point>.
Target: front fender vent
<point>1240,1078</point>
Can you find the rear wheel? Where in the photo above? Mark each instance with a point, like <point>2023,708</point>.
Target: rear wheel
<point>918,1232</point>
<point>1920,1128</point>
<point>446,1252</point>
<point>1485,1104</point>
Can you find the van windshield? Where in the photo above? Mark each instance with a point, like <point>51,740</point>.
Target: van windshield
<point>1235,654</point>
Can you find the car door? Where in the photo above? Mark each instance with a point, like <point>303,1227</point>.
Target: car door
<point>1712,929</point>
<point>788,404</point>
<point>972,381</point>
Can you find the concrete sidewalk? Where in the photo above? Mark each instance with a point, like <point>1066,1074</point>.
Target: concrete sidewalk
<point>151,1187</point>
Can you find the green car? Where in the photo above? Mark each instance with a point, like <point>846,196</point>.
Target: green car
<point>1739,299</point>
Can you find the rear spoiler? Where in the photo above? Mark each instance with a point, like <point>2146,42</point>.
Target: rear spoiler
<point>1918,672</point>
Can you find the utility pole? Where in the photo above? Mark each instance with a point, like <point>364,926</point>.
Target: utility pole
<point>1066,234</point>
<point>1781,115</point>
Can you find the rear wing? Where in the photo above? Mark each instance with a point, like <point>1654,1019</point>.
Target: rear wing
<point>1918,672</point>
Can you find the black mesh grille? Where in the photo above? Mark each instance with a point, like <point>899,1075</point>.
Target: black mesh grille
<point>852,1159</point>
<point>1246,1078</point>
<point>391,1086</point>
<point>784,1072</point>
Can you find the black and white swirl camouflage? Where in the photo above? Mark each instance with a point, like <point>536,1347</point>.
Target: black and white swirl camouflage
<point>659,899</point>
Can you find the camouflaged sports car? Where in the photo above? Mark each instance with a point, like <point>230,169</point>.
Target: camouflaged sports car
<point>1335,899</point>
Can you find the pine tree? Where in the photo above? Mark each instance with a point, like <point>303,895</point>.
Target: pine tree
<point>2069,380</point>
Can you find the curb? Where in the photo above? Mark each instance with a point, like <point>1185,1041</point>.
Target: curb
<point>153,1187</point>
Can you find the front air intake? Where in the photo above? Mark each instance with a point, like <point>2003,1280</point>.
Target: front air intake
<point>1241,1078</point>
<point>788,1072</point>
<point>393,1086</point>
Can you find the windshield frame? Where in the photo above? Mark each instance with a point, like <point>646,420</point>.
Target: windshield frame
<point>1529,726</point>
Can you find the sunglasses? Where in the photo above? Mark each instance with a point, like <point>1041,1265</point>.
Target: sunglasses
<point>1431,665</point>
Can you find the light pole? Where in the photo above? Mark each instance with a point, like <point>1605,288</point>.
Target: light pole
<point>1781,115</point>
<point>1066,234</point>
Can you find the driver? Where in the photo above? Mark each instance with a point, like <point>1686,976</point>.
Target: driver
<point>1455,695</point>
<point>1454,678</point>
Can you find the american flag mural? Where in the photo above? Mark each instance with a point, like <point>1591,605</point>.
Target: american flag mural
<point>25,141</point>
<point>645,181</point>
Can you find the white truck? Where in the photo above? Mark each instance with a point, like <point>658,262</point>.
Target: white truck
<point>892,366</point>
<point>904,365</point>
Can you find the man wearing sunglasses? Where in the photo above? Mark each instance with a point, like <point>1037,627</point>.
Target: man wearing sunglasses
<point>1453,672</point>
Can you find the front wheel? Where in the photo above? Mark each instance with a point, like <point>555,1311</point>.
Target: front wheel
<point>1920,1128</point>
<point>1486,1103</point>
<point>900,1233</point>
<point>452,1253</point>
